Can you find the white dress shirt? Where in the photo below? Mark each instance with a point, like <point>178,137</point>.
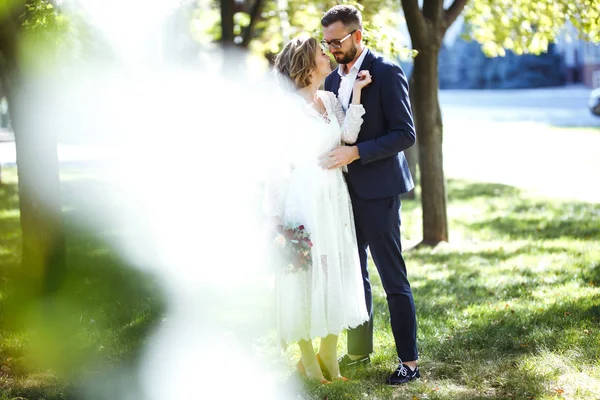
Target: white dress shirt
<point>347,80</point>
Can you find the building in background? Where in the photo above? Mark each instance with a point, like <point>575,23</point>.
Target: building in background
<point>462,64</point>
<point>581,58</point>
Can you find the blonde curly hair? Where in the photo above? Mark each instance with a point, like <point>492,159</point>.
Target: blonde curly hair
<point>297,60</point>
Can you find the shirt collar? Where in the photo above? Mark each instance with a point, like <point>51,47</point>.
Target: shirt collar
<point>356,65</point>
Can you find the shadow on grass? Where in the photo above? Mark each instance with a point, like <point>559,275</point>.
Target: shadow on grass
<point>459,279</point>
<point>503,346</point>
<point>498,345</point>
<point>593,275</point>
<point>577,221</point>
<point>462,190</point>
<point>518,217</point>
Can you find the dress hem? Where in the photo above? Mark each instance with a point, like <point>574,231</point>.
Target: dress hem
<point>325,333</point>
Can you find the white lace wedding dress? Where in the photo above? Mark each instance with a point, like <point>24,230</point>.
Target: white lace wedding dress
<point>329,297</point>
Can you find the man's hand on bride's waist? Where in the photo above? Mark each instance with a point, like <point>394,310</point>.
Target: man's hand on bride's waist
<point>338,157</point>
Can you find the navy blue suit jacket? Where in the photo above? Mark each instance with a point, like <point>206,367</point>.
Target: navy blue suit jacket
<point>387,130</point>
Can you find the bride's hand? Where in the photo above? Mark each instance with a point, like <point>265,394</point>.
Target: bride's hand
<point>362,79</point>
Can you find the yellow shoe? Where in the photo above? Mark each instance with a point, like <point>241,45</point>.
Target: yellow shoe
<point>326,373</point>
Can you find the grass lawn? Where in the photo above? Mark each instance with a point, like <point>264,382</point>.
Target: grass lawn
<point>510,308</point>
<point>96,324</point>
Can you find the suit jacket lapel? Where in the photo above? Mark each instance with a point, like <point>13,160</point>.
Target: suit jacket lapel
<point>366,64</point>
<point>367,61</point>
<point>335,82</point>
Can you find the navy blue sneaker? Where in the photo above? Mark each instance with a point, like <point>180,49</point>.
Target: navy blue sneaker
<point>403,374</point>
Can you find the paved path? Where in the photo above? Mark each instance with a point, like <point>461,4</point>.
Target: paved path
<point>562,106</point>
<point>544,140</point>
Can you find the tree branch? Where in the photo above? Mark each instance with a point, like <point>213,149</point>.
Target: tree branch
<point>254,14</point>
<point>454,11</point>
<point>415,22</point>
<point>433,9</point>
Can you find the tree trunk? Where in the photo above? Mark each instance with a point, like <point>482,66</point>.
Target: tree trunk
<point>43,259</point>
<point>227,12</point>
<point>428,120</point>
<point>44,249</point>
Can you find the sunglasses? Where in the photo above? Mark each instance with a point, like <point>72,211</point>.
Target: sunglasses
<point>336,43</point>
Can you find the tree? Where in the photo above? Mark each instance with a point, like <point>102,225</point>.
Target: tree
<point>236,20</point>
<point>43,240</point>
<point>427,26</point>
<point>264,26</point>
<point>520,25</point>
<point>227,24</point>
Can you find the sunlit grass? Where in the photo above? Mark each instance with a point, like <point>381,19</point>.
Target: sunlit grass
<point>510,308</point>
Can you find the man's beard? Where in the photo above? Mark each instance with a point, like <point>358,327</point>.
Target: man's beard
<point>345,58</point>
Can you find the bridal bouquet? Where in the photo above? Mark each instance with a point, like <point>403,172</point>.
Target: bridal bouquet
<point>294,245</point>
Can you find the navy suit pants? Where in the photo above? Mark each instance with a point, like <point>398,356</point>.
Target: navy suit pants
<point>378,228</point>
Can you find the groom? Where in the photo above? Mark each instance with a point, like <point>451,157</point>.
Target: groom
<point>377,174</point>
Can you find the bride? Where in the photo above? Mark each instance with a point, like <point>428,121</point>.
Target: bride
<point>328,296</point>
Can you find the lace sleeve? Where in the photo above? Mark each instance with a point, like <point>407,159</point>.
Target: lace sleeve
<point>350,121</point>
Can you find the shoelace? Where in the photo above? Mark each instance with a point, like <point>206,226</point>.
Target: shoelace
<point>402,371</point>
